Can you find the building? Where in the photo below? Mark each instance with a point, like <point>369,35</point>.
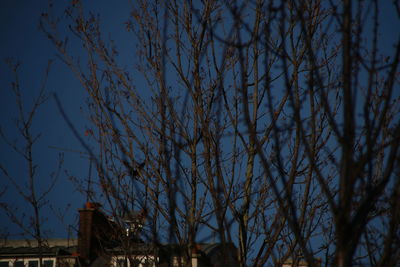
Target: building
<point>101,242</point>
<point>21,253</point>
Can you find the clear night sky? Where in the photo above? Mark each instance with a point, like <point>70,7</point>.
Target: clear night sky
<point>22,40</point>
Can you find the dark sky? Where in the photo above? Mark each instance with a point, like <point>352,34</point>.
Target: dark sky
<point>22,40</point>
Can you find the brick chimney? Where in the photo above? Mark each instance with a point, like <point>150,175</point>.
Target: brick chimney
<point>93,230</point>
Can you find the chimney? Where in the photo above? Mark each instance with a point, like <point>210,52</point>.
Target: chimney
<point>85,235</point>
<point>93,228</point>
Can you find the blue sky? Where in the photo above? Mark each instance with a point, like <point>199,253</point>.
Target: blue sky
<point>22,40</point>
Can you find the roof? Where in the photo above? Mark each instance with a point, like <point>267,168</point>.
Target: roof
<point>7,252</point>
<point>28,248</point>
<point>33,243</point>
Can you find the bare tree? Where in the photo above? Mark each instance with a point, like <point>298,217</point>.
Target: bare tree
<point>269,124</point>
<point>29,188</point>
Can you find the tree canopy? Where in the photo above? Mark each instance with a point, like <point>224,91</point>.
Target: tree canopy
<point>272,125</point>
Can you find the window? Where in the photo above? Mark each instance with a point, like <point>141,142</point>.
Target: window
<point>121,263</point>
<point>135,263</point>
<point>32,262</point>
<point>148,263</point>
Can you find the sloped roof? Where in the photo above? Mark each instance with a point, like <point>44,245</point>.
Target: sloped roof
<point>28,248</point>
<point>7,252</point>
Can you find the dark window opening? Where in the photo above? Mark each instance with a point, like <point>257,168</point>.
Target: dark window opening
<point>135,263</point>
<point>121,263</point>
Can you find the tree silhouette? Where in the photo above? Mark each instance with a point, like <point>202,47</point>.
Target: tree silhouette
<point>273,125</point>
